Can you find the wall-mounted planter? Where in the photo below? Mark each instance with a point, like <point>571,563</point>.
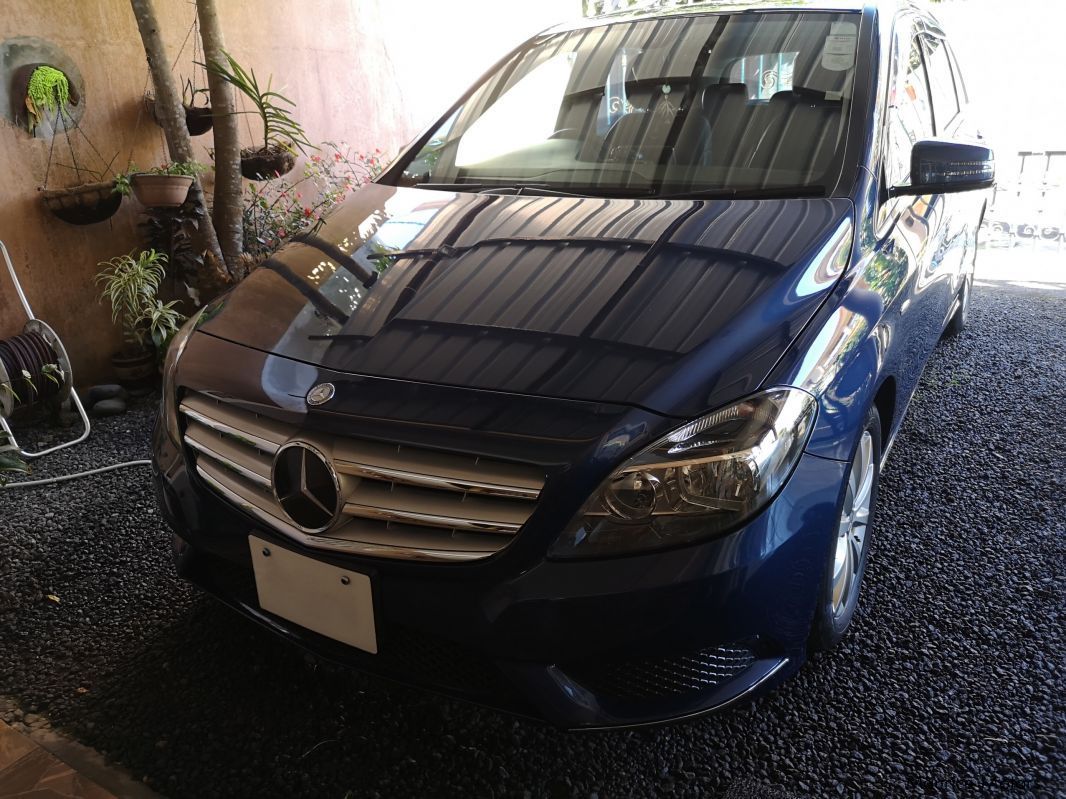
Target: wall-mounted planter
<point>160,191</point>
<point>20,83</point>
<point>265,163</point>
<point>83,205</point>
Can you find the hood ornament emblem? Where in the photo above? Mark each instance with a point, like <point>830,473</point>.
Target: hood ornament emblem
<point>321,394</point>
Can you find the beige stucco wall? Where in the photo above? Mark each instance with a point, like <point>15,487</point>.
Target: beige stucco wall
<point>370,72</point>
<point>330,60</point>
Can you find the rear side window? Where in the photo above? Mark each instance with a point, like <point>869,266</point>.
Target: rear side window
<point>910,116</point>
<point>941,83</point>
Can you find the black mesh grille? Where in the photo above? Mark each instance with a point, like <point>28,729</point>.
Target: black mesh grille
<point>674,675</point>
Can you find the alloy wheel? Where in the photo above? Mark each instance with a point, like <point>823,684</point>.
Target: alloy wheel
<point>854,519</point>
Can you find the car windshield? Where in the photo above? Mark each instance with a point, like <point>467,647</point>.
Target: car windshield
<point>749,103</point>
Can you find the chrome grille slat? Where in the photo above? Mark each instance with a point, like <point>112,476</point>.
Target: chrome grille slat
<point>408,544</point>
<point>247,461</point>
<point>265,434</point>
<point>455,473</point>
<point>398,501</point>
<point>452,511</point>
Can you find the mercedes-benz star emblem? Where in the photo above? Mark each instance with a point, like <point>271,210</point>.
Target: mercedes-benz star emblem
<point>321,394</point>
<point>306,486</point>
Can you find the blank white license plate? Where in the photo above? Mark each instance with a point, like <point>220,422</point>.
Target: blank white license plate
<point>333,602</point>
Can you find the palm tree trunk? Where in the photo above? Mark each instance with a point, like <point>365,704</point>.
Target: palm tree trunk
<point>171,115</point>
<point>228,210</point>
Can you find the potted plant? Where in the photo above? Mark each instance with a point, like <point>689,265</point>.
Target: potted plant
<point>164,186</point>
<point>10,462</point>
<point>282,134</point>
<point>130,283</point>
<point>198,118</point>
<point>41,91</point>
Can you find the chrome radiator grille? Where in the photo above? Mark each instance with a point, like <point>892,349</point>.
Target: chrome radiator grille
<point>396,501</point>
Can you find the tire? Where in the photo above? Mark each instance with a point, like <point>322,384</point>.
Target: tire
<point>846,563</point>
<point>961,318</point>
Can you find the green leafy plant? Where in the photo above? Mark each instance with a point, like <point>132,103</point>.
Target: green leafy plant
<point>10,461</point>
<point>48,91</point>
<point>51,371</point>
<point>190,93</point>
<point>188,169</point>
<point>275,212</point>
<point>275,110</point>
<point>130,284</point>
<point>163,320</point>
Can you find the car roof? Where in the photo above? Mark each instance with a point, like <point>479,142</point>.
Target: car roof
<point>886,9</point>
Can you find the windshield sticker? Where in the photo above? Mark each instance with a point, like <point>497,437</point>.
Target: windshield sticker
<point>839,51</point>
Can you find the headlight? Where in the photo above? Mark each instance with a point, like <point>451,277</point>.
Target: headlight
<point>701,480</point>
<point>170,368</point>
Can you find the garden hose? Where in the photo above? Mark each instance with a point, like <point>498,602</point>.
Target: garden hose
<point>23,369</point>
<point>63,478</point>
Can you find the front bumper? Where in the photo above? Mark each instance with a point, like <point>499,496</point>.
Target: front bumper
<point>583,644</point>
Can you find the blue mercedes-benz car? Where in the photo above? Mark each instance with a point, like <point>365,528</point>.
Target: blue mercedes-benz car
<point>579,409</point>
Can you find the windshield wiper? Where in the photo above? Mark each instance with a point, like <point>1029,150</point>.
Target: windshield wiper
<point>502,188</point>
<point>767,192</point>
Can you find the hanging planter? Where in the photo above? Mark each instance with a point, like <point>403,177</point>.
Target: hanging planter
<point>83,205</point>
<point>47,96</point>
<point>165,186</point>
<point>282,134</point>
<point>198,119</point>
<point>268,162</point>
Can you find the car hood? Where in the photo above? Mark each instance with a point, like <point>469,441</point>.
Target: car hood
<point>676,306</point>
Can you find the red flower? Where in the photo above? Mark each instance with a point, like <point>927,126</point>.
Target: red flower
<point>307,212</point>
<point>282,233</point>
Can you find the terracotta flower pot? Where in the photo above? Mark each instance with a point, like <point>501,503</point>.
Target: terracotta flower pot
<point>265,163</point>
<point>83,205</point>
<point>134,369</point>
<point>160,191</point>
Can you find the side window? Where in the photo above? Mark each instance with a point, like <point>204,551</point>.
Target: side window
<point>941,83</point>
<point>960,82</point>
<point>910,116</point>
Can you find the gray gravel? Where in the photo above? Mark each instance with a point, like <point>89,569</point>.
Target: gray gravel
<point>950,685</point>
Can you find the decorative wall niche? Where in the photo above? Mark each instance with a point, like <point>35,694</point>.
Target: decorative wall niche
<point>20,57</point>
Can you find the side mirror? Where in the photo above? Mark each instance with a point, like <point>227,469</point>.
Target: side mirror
<point>945,167</point>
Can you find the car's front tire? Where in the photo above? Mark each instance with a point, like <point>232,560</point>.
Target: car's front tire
<point>961,318</point>
<point>850,548</point>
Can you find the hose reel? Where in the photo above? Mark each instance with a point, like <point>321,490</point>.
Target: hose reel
<point>34,368</point>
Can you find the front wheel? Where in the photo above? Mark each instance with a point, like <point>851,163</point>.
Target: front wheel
<point>851,543</point>
<point>961,318</point>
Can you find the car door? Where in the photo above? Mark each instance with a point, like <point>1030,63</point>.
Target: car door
<point>911,228</point>
<point>953,257</point>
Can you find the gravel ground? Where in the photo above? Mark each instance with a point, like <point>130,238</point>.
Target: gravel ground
<point>950,685</point>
